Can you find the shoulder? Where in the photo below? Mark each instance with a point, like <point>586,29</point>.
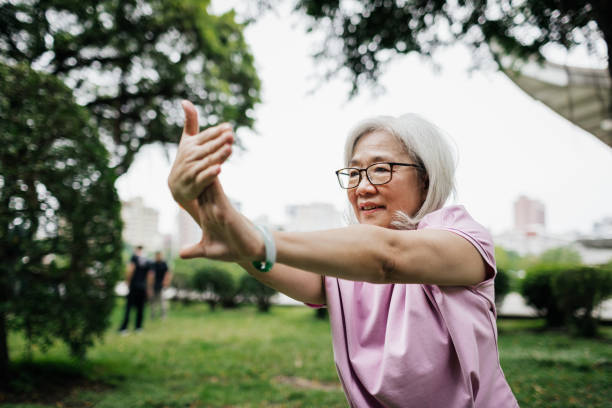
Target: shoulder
<point>452,215</point>
<point>456,219</point>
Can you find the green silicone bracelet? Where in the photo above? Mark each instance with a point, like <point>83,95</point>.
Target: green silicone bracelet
<point>266,265</point>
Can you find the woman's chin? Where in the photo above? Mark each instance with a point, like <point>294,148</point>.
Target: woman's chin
<point>380,220</point>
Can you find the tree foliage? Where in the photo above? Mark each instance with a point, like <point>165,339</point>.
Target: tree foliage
<point>560,255</point>
<point>131,61</point>
<point>363,35</point>
<point>60,228</point>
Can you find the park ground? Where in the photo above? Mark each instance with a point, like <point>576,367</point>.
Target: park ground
<point>243,358</point>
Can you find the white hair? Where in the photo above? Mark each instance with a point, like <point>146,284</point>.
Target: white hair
<point>428,146</point>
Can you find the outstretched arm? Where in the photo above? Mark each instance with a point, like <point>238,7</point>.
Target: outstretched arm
<point>382,255</point>
<point>194,185</point>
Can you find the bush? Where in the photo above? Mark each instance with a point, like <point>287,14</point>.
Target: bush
<point>256,292</point>
<point>537,290</point>
<point>218,286</point>
<point>183,283</point>
<point>567,295</point>
<point>578,291</point>
<point>502,286</point>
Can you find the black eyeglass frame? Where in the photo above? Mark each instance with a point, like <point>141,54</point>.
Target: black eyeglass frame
<point>391,164</point>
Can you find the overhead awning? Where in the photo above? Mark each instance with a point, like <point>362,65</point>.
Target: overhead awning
<point>581,95</point>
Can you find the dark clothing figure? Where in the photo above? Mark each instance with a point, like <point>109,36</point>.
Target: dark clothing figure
<point>137,295</point>
<point>137,299</point>
<point>160,268</point>
<point>162,277</point>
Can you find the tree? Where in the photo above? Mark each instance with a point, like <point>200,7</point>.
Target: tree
<point>60,228</point>
<point>130,62</point>
<point>363,35</point>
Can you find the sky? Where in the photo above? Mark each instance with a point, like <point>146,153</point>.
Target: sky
<point>507,143</point>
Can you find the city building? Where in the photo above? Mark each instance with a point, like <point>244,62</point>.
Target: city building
<point>529,215</point>
<point>189,232</point>
<point>312,217</point>
<point>529,235</point>
<point>140,225</point>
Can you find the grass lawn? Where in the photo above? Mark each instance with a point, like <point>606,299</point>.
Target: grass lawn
<point>241,358</point>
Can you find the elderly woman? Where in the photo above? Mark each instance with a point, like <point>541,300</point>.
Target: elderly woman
<point>409,287</point>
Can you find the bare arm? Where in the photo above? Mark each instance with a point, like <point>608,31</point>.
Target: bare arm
<point>296,283</point>
<point>381,255</point>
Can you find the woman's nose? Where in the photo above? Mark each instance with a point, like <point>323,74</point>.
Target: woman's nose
<point>364,186</point>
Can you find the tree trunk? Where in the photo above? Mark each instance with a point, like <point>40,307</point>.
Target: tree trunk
<point>4,356</point>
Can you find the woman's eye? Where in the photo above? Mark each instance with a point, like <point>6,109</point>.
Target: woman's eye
<point>381,169</point>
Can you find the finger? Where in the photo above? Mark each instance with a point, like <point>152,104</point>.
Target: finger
<point>201,151</point>
<point>194,251</point>
<point>204,178</point>
<point>213,132</point>
<point>217,157</point>
<point>191,126</point>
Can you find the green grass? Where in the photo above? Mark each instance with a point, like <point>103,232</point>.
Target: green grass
<point>553,369</point>
<point>241,358</point>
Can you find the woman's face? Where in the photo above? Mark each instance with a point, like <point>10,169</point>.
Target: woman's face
<point>376,204</point>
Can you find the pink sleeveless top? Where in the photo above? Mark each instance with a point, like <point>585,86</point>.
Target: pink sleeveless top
<point>413,345</point>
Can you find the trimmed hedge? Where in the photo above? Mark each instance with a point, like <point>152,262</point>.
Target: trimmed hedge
<point>566,295</point>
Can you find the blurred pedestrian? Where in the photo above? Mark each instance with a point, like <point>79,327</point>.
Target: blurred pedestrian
<point>139,276</point>
<point>162,279</point>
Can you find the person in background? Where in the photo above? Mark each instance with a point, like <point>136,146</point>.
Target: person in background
<point>139,276</point>
<point>162,278</point>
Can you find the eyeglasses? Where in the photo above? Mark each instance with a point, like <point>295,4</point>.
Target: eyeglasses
<point>377,174</point>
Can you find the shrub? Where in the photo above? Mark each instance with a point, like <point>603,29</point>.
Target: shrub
<point>567,295</point>
<point>256,292</point>
<point>537,290</point>
<point>502,286</point>
<point>578,291</point>
<point>218,286</point>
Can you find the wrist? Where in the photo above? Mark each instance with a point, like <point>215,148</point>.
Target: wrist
<point>266,253</point>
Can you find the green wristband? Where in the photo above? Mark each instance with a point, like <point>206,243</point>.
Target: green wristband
<point>268,263</point>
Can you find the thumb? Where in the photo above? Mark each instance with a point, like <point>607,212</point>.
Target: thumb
<point>191,126</point>
<point>194,251</point>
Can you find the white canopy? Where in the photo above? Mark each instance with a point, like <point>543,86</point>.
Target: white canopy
<point>581,95</point>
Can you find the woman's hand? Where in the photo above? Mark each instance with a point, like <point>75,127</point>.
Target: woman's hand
<point>227,235</point>
<point>198,158</point>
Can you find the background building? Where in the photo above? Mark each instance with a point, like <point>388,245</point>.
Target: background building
<point>529,215</point>
<point>529,236</point>
<point>140,225</point>
<point>188,230</point>
<point>312,217</point>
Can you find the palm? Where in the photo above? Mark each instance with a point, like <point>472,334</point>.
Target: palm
<point>226,234</point>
